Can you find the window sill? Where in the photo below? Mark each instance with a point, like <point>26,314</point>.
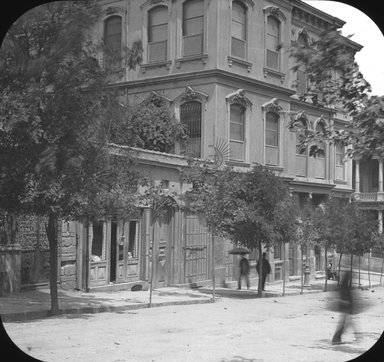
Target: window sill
<point>239,163</point>
<point>163,63</point>
<point>190,58</point>
<point>239,61</point>
<point>275,167</point>
<point>340,182</point>
<point>274,73</point>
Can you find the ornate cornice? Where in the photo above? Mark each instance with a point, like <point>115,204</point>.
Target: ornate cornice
<point>275,11</point>
<point>190,94</point>
<point>239,97</point>
<point>272,106</point>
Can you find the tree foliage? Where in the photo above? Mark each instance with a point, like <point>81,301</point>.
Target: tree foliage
<point>150,125</point>
<point>335,81</point>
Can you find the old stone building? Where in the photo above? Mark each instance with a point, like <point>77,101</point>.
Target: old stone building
<point>223,68</point>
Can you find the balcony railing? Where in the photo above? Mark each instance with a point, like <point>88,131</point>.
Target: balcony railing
<point>369,196</point>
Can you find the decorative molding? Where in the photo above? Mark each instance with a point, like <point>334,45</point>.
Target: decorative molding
<point>239,97</point>
<point>114,10</point>
<point>248,2</point>
<point>274,73</point>
<point>272,106</point>
<point>149,3</point>
<point>240,62</point>
<point>190,94</point>
<point>274,11</point>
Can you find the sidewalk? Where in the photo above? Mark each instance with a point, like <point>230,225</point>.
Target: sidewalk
<point>35,304</point>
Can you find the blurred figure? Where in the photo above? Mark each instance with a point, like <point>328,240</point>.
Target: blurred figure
<point>346,308</point>
<point>265,269</point>
<point>331,273</point>
<point>244,271</point>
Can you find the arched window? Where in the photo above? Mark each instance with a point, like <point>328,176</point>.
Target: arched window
<point>193,27</point>
<point>157,33</point>
<point>272,138</point>
<point>301,72</point>
<point>112,40</point>
<point>239,30</point>
<point>237,131</point>
<point>272,43</point>
<point>190,115</point>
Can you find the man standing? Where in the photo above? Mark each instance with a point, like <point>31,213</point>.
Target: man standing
<point>265,269</point>
<point>244,271</point>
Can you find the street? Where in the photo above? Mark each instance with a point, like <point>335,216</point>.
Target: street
<point>291,328</point>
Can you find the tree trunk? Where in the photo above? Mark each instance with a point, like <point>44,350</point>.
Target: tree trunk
<point>350,277</point>
<point>369,268</point>
<point>302,270</point>
<point>52,236</point>
<point>338,276</point>
<point>152,257</point>
<point>283,269</point>
<point>326,268</point>
<point>382,265</point>
<point>260,287</point>
<point>359,270</point>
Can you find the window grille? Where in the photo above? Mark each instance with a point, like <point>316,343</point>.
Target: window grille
<point>190,115</point>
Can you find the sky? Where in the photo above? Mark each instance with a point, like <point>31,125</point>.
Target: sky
<point>366,33</point>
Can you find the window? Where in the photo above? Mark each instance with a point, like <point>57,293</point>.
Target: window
<point>272,138</point>
<point>236,132</point>
<point>301,72</point>
<point>320,144</point>
<point>239,29</point>
<point>277,251</point>
<point>272,43</point>
<point>157,34</point>
<point>112,40</point>
<point>190,115</point>
<point>300,149</point>
<point>98,247</point>
<point>133,240</point>
<point>193,27</point>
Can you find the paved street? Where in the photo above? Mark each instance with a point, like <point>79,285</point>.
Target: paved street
<point>291,328</point>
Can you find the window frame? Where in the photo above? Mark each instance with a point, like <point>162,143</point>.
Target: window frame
<point>107,59</point>
<point>183,30</point>
<point>277,136</point>
<point>243,125</point>
<point>244,25</point>
<point>278,21</point>
<point>182,105</point>
<point>149,32</point>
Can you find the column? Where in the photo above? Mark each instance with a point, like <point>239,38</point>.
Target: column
<point>380,174</point>
<point>380,217</point>
<point>357,176</point>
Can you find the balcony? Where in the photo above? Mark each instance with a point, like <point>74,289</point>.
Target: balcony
<point>369,197</point>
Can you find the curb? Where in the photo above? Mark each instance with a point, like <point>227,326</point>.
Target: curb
<point>33,315</point>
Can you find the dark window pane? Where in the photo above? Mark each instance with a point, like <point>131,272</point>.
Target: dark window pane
<point>272,59</point>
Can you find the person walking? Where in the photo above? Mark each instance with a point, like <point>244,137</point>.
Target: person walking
<point>346,308</point>
<point>265,269</point>
<point>244,271</point>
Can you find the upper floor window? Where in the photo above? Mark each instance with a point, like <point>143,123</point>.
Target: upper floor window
<point>239,30</point>
<point>193,27</point>
<point>273,43</point>
<point>112,40</point>
<point>301,72</point>
<point>339,150</point>
<point>190,115</point>
<point>157,33</point>
<point>320,144</point>
<point>237,132</point>
<point>272,138</point>
<point>300,148</point>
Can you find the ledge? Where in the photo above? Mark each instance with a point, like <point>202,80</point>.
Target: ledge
<point>240,62</point>
<point>239,163</point>
<point>202,57</point>
<point>164,63</point>
<point>274,73</point>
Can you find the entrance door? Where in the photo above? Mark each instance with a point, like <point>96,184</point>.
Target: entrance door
<point>196,264</point>
<point>98,241</point>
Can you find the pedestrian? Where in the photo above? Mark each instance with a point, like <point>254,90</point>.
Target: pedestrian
<point>244,271</point>
<point>265,269</point>
<point>345,306</point>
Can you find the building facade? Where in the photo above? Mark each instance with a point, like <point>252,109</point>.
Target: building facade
<point>223,67</point>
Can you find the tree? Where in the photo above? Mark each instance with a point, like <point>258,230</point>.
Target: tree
<point>243,207</point>
<point>336,82</point>
<point>149,125</point>
<point>55,112</point>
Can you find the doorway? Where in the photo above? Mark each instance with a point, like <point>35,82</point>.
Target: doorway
<point>112,274</point>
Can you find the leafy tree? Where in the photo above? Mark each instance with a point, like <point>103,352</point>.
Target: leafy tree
<point>245,207</point>
<point>55,116</point>
<point>149,125</point>
<point>336,82</point>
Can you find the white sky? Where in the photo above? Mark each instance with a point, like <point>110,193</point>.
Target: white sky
<point>366,33</point>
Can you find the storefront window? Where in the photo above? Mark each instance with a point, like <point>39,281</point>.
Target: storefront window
<point>97,242</point>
